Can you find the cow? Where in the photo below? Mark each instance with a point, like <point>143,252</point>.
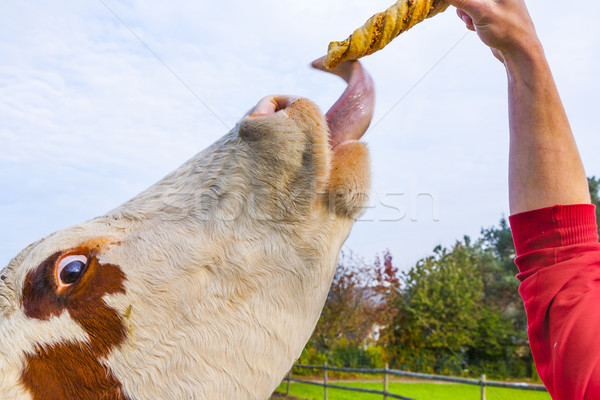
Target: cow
<point>208,284</point>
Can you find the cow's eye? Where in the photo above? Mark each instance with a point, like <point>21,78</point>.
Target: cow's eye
<point>70,269</point>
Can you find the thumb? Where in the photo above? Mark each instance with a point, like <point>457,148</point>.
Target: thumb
<point>466,19</point>
<point>474,8</point>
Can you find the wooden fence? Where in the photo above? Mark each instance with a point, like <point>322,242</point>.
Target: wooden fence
<point>482,382</point>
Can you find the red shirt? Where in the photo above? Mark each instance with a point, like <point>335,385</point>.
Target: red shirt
<point>558,257</point>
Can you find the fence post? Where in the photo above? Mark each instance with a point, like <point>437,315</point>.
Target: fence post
<point>385,382</point>
<point>289,376</point>
<point>483,387</point>
<point>325,379</point>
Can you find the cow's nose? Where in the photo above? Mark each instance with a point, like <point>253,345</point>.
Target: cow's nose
<point>272,104</point>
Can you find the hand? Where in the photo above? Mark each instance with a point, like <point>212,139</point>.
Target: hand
<point>504,25</point>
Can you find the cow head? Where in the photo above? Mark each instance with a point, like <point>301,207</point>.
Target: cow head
<point>208,284</point>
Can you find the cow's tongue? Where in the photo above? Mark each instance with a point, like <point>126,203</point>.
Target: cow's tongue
<point>351,115</point>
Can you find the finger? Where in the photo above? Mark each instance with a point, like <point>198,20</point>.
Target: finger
<point>466,19</point>
<point>474,8</point>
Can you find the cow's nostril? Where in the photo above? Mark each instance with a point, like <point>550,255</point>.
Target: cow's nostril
<point>272,104</point>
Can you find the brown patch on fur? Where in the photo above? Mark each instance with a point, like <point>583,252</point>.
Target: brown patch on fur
<point>69,372</point>
<point>74,370</point>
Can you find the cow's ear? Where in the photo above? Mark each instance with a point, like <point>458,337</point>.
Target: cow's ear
<point>349,180</point>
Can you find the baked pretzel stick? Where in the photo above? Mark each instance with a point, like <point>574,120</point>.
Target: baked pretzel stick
<point>381,29</point>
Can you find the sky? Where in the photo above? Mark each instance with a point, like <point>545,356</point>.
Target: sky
<point>99,99</point>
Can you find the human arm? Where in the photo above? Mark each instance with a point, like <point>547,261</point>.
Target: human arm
<point>553,225</point>
<point>544,164</point>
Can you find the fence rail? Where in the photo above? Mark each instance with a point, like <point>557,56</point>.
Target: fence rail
<point>482,382</point>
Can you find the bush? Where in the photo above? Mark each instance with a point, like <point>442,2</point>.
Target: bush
<point>309,356</point>
<point>344,354</point>
<point>376,357</point>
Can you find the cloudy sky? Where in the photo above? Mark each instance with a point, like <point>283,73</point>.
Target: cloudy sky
<point>101,98</point>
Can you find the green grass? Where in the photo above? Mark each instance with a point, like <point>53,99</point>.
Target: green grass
<point>416,390</point>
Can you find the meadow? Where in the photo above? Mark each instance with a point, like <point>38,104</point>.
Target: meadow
<point>416,390</point>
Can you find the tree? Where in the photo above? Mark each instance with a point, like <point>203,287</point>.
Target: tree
<point>350,309</point>
<point>498,271</point>
<point>387,288</point>
<point>504,306</point>
<point>438,311</point>
<point>459,309</point>
<point>594,185</point>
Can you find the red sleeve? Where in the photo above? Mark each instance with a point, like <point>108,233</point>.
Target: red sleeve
<point>558,257</point>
